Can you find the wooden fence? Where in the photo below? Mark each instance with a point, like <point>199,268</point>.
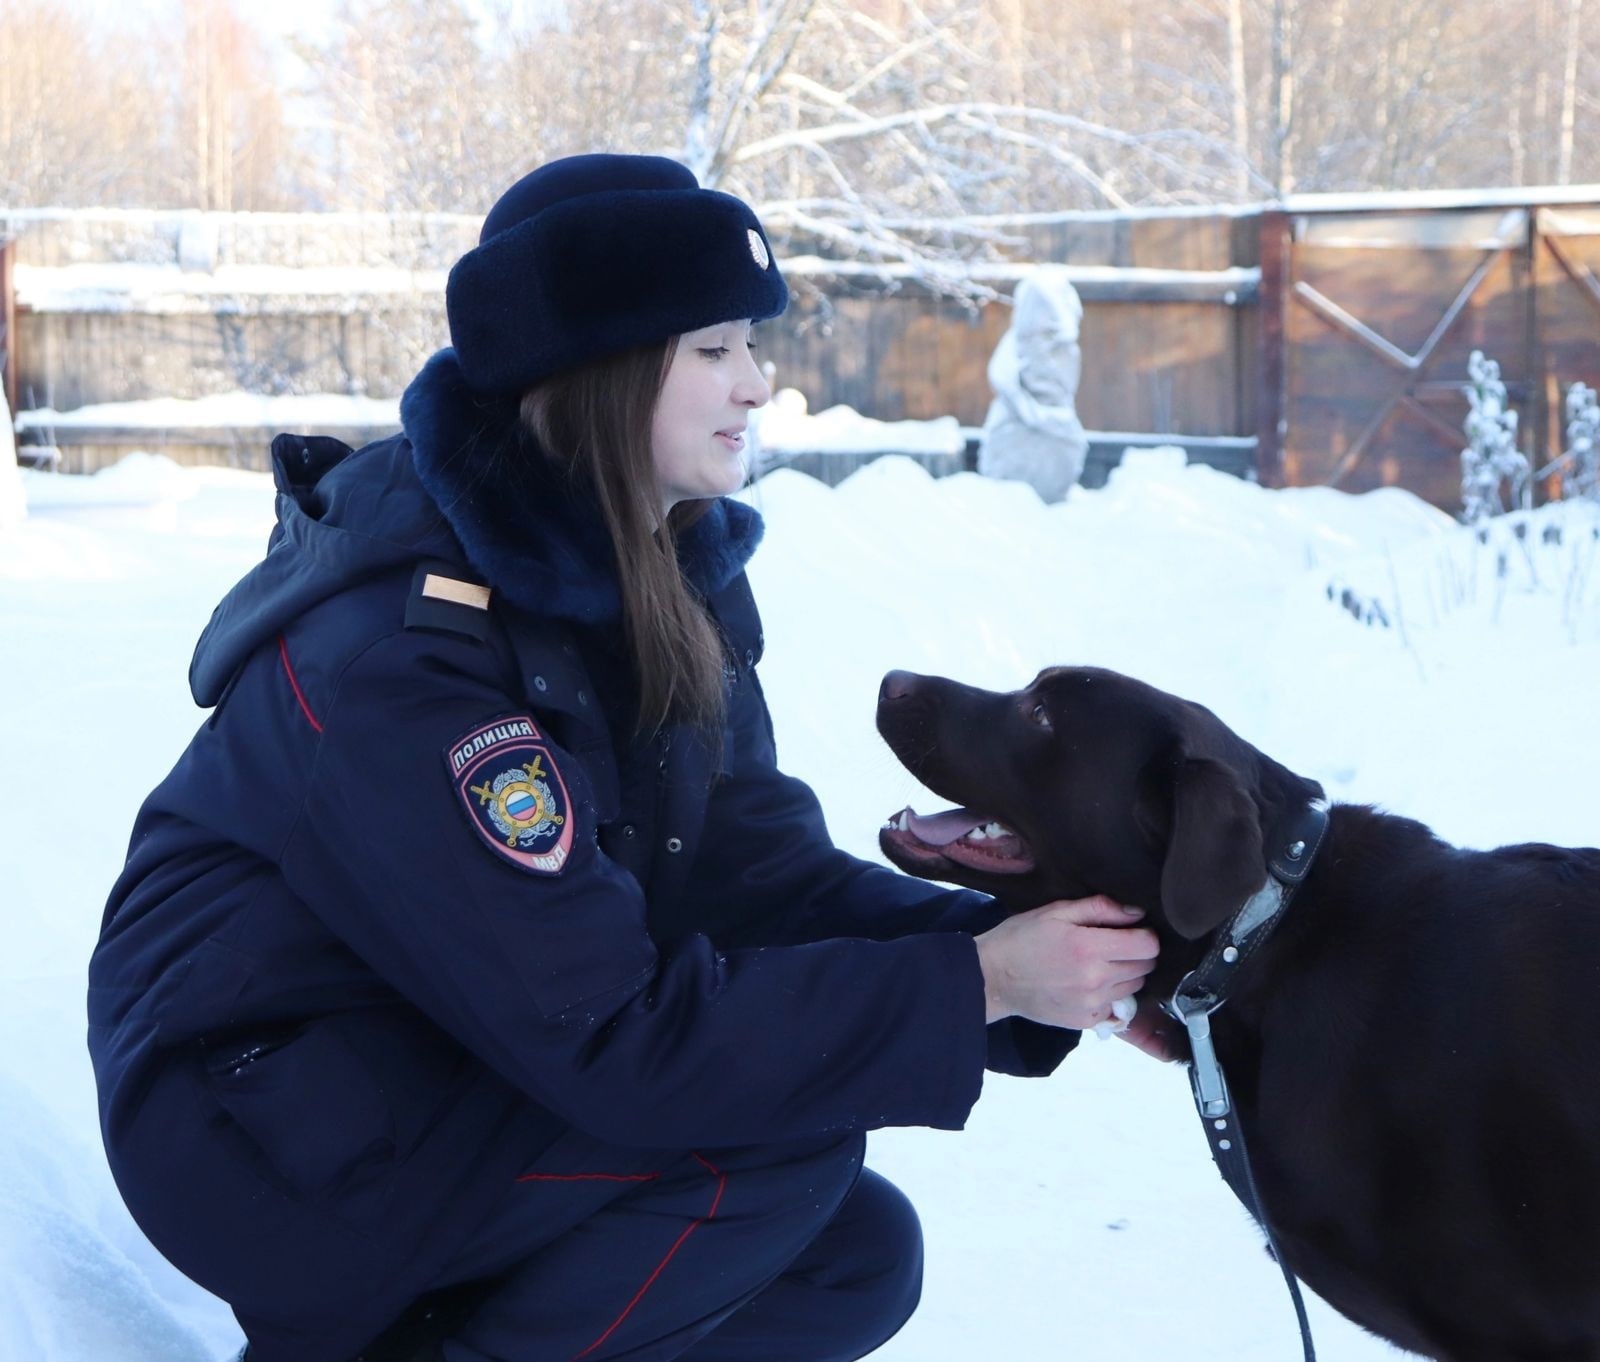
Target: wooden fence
<point>1380,304</point>
<point>1320,340</point>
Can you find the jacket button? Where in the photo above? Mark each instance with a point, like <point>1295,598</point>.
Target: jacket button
<point>749,657</point>
<point>674,845</point>
<point>539,683</point>
<point>583,698</point>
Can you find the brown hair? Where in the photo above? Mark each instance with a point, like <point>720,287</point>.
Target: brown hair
<point>596,421</point>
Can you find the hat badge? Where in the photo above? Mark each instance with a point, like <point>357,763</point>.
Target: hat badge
<point>758,247</point>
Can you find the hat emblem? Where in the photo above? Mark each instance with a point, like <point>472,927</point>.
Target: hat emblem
<point>758,247</point>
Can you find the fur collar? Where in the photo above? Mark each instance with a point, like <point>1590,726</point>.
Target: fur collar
<point>534,534</point>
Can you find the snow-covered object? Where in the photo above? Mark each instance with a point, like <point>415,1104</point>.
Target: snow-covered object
<point>221,410</point>
<point>172,289</point>
<point>785,426</point>
<point>1491,458</point>
<point>1580,463</point>
<point>1032,433</point>
<point>13,503</point>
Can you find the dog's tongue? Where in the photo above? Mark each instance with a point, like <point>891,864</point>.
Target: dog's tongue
<point>941,829</point>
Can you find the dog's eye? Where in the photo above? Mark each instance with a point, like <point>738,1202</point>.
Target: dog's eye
<point>1040,717</point>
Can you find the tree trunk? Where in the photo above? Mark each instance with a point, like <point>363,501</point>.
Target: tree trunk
<point>697,151</point>
<point>1283,96</point>
<point>1241,97</point>
<point>1569,91</point>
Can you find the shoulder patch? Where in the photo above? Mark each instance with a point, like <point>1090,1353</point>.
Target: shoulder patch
<point>512,793</point>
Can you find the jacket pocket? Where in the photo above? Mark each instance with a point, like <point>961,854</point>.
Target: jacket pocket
<point>326,1099</point>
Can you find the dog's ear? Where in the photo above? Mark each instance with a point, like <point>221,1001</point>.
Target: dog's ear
<point>1214,858</point>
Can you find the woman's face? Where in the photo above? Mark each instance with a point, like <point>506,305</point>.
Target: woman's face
<point>698,435</point>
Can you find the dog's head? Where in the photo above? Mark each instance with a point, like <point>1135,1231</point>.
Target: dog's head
<point>1085,782</point>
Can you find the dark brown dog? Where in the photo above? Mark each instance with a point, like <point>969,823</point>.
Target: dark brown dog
<point>1413,1054</point>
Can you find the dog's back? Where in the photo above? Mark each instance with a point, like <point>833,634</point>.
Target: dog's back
<point>1421,1046</point>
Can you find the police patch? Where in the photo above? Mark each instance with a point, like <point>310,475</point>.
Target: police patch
<point>513,794</point>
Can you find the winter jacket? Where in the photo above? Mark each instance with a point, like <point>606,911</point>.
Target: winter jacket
<point>416,899</point>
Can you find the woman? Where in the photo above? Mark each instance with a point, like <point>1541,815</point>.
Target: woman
<point>477,941</point>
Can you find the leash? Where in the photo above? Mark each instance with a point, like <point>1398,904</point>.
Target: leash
<point>1206,987</point>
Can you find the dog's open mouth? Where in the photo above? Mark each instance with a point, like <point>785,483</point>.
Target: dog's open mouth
<point>961,836</point>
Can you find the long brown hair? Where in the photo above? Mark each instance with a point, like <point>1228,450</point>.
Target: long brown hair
<point>596,420</point>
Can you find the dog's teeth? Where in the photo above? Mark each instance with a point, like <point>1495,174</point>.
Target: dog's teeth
<point>997,830</point>
<point>978,834</point>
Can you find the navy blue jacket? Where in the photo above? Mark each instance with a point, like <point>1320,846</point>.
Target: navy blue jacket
<point>416,899</point>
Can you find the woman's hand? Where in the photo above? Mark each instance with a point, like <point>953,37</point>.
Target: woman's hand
<point>1066,963</point>
<point>1153,1032</point>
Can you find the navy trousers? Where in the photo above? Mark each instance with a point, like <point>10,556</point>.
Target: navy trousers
<point>791,1253</point>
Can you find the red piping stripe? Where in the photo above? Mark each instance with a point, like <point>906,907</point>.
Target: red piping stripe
<point>588,1177</point>
<point>283,652</point>
<point>722,1182</point>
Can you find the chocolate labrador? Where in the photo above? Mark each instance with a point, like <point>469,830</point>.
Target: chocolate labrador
<point>1413,1053</point>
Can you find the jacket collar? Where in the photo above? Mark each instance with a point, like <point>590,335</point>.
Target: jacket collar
<point>535,535</point>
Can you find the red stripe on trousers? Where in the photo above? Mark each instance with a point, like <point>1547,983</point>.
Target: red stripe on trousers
<point>722,1182</point>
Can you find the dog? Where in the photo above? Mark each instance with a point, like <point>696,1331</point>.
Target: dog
<point>1412,1054</point>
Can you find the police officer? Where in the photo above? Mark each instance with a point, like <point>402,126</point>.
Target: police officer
<point>477,986</point>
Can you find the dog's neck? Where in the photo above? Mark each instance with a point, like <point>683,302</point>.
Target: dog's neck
<point>1290,849</point>
<point>1335,910</point>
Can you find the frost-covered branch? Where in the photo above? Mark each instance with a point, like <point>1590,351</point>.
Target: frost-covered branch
<point>766,59</point>
<point>1579,464</point>
<point>1062,157</point>
<point>1491,459</point>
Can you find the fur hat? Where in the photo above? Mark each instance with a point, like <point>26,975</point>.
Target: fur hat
<point>593,254</point>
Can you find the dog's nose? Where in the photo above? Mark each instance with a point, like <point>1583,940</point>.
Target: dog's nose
<point>896,686</point>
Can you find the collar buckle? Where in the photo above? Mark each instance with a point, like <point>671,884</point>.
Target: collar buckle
<point>1205,1073</point>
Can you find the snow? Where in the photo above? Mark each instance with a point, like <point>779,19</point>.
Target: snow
<point>169,289</point>
<point>1229,284</point>
<point>1139,438</point>
<point>1525,196</point>
<point>219,411</point>
<point>784,426</point>
<point>13,505</point>
<point>1077,1216</point>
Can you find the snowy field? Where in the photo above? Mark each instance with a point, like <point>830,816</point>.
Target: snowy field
<point>1077,1217</point>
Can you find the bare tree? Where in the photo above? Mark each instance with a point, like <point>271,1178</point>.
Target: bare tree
<point>64,139</point>
<point>908,131</point>
<point>406,98</point>
<point>233,147</point>
<point>1240,90</point>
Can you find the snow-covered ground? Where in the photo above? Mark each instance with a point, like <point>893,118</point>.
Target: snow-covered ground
<point>1076,1217</point>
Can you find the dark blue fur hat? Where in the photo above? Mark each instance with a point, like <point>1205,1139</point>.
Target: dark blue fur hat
<point>593,254</point>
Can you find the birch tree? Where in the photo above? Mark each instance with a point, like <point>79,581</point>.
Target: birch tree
<point>406,100</point>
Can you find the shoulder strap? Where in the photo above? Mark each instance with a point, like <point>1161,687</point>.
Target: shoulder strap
<point>445,599</point>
